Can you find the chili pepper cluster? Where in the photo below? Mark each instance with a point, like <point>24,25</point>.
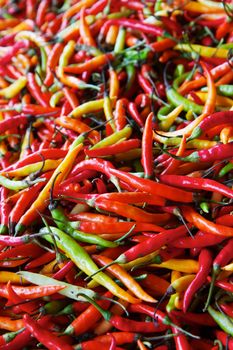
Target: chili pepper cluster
<point>116,173</point>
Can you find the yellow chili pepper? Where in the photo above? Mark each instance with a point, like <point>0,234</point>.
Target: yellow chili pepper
<point>27,141</point>
<point>114,138</point>
<point>13,89</point>
<point>108,112</point>
<point>112,35</point>
<point>182,283</point>
<point>113,86</point>
<point>187,130</point>
<point>73,10</point>
<point>13,277</point>
<point>48,269</point>
<point>226,134</point>
<point>204,7</point>
<point>87,107</point>
<point>182,265</point>
<point>228,267</point>
<point>73,28</point>
<point>48,164</point>
<point>25,25</point>
<point>59,174</point>
<point>55,98</point>
<point>201,50</point>
<point>175,275</point>
<point>169,119</point>
<point>37,39</point>
<point>67,53</point>
<point>221,101</point>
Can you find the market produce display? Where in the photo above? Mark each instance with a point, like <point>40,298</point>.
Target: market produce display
<point>116,174</point>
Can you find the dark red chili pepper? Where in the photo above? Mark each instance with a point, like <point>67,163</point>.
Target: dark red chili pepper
<point>203,319</point>
<point>205,262</point>
<point>225,339</point>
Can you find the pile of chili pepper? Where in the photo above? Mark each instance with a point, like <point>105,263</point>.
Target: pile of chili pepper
<point>116,174</point>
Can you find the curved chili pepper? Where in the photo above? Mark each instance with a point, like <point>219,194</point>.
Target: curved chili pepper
<point>205,261</point>
<point>43,335</point>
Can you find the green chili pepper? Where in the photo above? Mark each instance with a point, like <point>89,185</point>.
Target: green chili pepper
<point>120,41</point>
<point>70,291</point>
<point>17,185</point>
<point>225,90</point>
<point>225,169</point>
<point>179,70</point>
<point>52,307</point>
<point>64,224</point>
<point>224,322</point>
<point>84,262</point>
<point>205,207</point>
<point>176,99</point>
<point>131,74</point>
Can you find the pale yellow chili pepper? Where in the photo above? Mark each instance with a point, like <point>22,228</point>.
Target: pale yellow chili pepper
<point>13,89</point>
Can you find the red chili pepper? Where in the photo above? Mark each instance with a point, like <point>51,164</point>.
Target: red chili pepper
<point>205,225</point>
<point>146,185</point>
<point>225,339</point>
<point>132,109</point>
<point>197,184</point>
<point>147,151</point>
<point>117,148</point>
<point>133,24</point>
<point>203,319</point>
<point>53,153</point>
<point>5,209</point>
<point>44,336</point>
<point>205,262</point>
<point>88,317</point>
<point>23,44</point>
<point>14,298</point>
<point>41,260</point>
<point>215,119</point>
<point>151,244</point>
<point>180,340</point>
<point>41,11</point>
<point>35,90</point>
<point>62,273</point>
<point>200,240</point>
